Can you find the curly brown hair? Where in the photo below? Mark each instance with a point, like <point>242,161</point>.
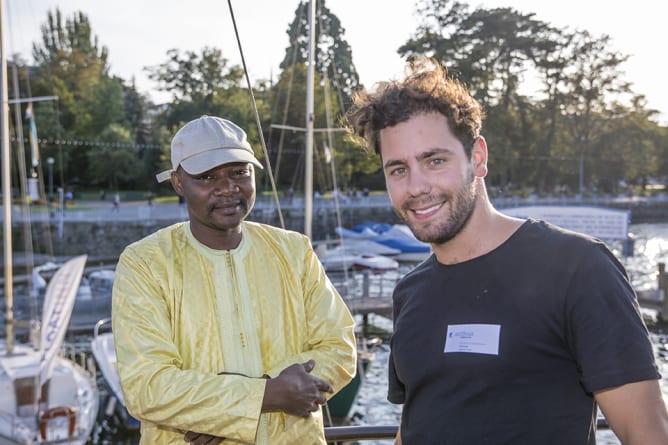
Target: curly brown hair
<point>426,88</point>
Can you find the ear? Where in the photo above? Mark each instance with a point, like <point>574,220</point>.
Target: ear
<point>176,183</point>
<point>479,157</point>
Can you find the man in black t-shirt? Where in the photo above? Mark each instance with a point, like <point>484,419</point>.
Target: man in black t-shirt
<point>513,331</point>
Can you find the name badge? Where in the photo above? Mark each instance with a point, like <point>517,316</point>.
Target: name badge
<point>473,338</point>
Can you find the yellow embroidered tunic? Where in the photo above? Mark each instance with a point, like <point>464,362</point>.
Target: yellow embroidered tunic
<point>183,313</point>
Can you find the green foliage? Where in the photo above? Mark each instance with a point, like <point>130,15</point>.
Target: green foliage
<point>584,116</point>
<point>562,137</point>
<point>113,164</point>
<point>72,66</point>
<point>333,56</point>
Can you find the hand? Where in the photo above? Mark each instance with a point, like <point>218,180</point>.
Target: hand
<point>202,439</point>
<point>295,391</point>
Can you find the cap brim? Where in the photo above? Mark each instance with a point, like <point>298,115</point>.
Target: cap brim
<point>207,160</point>
<point>163,176</point>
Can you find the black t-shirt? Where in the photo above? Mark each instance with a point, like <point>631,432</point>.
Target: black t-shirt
<point>507,348</point>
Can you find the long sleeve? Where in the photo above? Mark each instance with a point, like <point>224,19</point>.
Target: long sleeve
<point>159,387</point>
<point>329,339</point>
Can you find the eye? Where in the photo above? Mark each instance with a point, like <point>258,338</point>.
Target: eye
<point>397,171</point>
<point>205,177</point>
<point>437,161</point>
<point>242,172</point>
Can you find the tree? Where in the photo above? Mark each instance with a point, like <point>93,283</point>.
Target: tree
<point>591,81</point>
<point>193,77</point>
<point>333,57</point>
<point>72,66</point>
<point>199,84</point>
<point>490,51</point>
<point>205,83</point>
<point>114,163</point>
<point>554,137</point>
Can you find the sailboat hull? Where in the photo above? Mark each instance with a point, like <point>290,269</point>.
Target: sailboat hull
<point>68,405</point>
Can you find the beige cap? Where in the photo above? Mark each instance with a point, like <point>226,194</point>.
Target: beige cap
<point>206,143</point>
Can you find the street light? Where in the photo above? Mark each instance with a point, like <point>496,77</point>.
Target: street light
<point>50,161</point>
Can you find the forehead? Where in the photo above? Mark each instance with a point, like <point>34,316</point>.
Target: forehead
<point>420,133</point>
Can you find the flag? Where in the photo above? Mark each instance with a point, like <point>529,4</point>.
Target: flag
<point>34,148</point>
<point>328,154</point>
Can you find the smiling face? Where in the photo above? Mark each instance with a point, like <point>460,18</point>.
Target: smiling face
<point>218,201</point>
<point>431,182</point>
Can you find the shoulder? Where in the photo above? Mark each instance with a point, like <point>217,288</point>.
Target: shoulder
<point>419,275</point>
<point>276,237</point>
<point>543,233</point>
<point>540,242</point>
<point>272,232</point>
<point>161,243</point>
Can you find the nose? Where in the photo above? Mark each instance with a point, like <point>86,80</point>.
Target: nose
<point>417,183</point>
<point>226,186</point>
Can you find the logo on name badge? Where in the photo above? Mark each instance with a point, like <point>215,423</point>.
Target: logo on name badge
<point>473,338</point>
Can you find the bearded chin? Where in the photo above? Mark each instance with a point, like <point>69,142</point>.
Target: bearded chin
<point>461,209</point>
<point>455,223</point>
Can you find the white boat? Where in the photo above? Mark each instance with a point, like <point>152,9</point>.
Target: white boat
<point>102,346</point>
<point>358,255</point>
<point>395,236</point>
<point>93,297</point>
<point>337,261</point>
<point>62,411</point>
<point>45,398</point>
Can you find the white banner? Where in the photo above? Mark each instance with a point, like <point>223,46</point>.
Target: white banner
<point>58,304</point>
<point>599,222</point>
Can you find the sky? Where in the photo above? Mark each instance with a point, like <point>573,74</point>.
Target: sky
<point>138,33</point>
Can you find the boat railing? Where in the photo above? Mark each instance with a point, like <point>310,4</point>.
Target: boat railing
<point>334,434</point>
<point>348,433</point>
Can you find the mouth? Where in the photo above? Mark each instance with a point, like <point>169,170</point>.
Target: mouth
<point>229,207</point>
<point>427,212</point>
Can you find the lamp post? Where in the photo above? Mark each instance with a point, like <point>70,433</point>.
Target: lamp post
<point>50,161</point>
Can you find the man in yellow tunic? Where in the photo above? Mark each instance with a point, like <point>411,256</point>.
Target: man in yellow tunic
<point>226,331</point>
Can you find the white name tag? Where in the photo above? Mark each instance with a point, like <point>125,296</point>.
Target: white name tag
<point>473,338</point>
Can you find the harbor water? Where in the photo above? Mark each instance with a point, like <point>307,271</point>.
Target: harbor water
<point>371,406</point>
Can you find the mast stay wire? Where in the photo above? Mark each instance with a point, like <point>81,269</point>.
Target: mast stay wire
<point>257,118</point>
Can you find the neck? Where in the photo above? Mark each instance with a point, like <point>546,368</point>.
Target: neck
<point>486,229</point>
<point>215,238</point>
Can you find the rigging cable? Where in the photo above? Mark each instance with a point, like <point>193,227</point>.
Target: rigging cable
<point>257,118</point>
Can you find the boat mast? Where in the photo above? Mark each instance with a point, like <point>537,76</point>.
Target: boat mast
<point>6,187</point>
<point>308,172</point>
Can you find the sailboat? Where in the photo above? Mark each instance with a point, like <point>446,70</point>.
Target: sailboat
<point>46,398</point>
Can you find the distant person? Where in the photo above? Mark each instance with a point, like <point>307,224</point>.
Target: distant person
<point>225,329</point>
<point>117,202</point>
<point>513,331</point>
<point>365,195</point>
<point>291,194</point>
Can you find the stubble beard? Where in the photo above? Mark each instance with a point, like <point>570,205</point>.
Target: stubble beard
<point>461,209</point>
<point>245,206</point>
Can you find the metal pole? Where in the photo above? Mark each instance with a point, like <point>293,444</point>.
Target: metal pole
<point>308,173</point>
<point>6,187</point>
<point>581,189</point>
<point>582,168</point>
